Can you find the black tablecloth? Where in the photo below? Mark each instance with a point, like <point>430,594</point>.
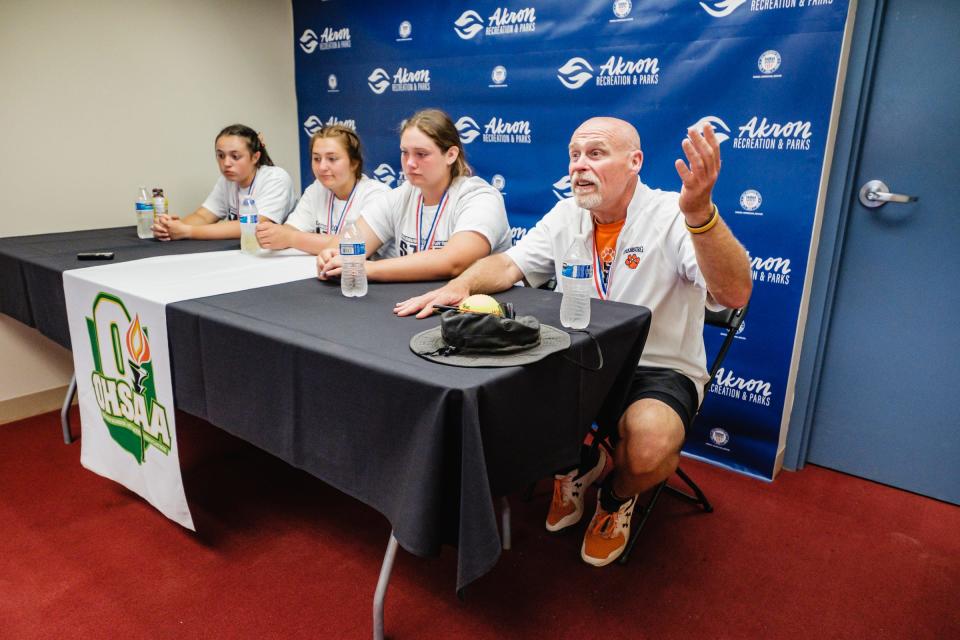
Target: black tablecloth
<point>31,269</point>
<point>330,385</point>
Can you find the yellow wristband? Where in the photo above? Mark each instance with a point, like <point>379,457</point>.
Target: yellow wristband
<point>709,224</point>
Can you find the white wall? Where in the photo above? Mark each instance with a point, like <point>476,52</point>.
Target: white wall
<point>99,98</point>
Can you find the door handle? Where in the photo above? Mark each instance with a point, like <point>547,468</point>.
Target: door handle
<point>876,194</point>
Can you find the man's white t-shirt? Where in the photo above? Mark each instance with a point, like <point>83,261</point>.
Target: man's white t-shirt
<point>320,211</point>
<point>400,219</point>
<point>654,266</point>
<point>272,188</point>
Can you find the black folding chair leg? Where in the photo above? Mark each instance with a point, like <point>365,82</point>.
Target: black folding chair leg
<point>698,497</point>
<point>635,530</point>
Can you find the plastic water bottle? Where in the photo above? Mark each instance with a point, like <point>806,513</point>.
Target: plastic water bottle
<point>159,202</point>
<point>576,278</point>
<point>144,215</point>
<point>353,251</point>
<point>249,217</point>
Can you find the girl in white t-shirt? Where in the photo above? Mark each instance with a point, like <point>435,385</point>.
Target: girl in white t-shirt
<point>439,221</point>
<point>246,168</point>
<point>333,201</point>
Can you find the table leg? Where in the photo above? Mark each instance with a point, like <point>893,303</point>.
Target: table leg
<point>381,594</point>
<point>65,411</point>
<point>505,519</point>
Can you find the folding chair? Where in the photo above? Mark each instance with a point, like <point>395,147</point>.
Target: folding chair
<point>729,319</point>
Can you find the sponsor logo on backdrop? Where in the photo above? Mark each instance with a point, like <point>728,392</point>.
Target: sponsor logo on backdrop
<point>123,379</point>
<point>308,41</point>
<point>403,80</point>
<point>621,11</point>
<point>385,174</point>
<point>723,8</point>
<point>773,270</point>
<point>562,188</point>
<point>769,63</point>
<point>759,133</point>
<point>497,130</point>
<point>728,383</point>
<point>516,233</point>
<point>719,437</point>
<point>332,84</point>
<point>750,201</point>
<point>501,22</point>
<point>720,128</point>
<point>498,182</point>
<point>313,124</point>
<point>468,129</point>
<point>404,31</point>
<point>331,38</point>
<point>614,71</point>
<point>498,77</point>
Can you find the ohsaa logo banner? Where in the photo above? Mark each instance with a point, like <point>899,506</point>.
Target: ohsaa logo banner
<point>123,380</point>
<point>502,21</point>
<point>617,70</point>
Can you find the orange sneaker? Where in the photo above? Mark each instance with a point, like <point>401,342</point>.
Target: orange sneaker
<point>607,534</point>
<point>566,507</point>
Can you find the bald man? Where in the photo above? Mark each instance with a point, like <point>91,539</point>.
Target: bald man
<point>670,252</point>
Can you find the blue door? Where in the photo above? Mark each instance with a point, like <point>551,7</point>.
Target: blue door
<point>886,408</point>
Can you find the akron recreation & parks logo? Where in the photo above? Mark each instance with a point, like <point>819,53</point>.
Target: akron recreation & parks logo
<point>123,379</point>
<point>386,174</point>
<point>501,22</point>
<point>498,77</point>
<point>759,133</point>
<point>720,129</point>
<point>403,80</point>
<point>308,41</point>
<point>313,124</point>
<point>615,71</point>
<point>496,130</point>
<point>769,63</point>
<point>750,201</point>
<point>775,270</point>
<point>723,8</point>
<point>331,38</point>
<point>731,385</point>
<point>719,437</point>
<point>404,31</point>
<point>562,188</point>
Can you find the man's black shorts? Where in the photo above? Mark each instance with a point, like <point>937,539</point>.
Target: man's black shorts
<point>673,389</point>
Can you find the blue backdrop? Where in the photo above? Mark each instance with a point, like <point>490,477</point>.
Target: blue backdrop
<point>519,77</point>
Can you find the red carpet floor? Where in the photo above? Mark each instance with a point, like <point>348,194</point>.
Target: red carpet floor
<point>281,555</point>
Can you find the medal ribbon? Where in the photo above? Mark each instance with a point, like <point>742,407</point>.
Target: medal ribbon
<point>427,243</point>
<point>600,281</point>
<point>343,212</point>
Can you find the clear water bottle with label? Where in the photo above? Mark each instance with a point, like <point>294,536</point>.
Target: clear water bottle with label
<point>249,217</point>
<point>159,203</point>
<point>353,251</point>
<point>576,279</point>
<point>144,215</point>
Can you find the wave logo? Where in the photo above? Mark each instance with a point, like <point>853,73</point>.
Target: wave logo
<point>385,174</point>
<point>468,129</point>
<point>123,379</point>
<point>311,125</point>
<point>378,81</point>
<point>720,128</point>
<point>575,73</point>
<point>562,188</point>
<point>468,24</point>
<point>723,8</point>
<point>309,41</point>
